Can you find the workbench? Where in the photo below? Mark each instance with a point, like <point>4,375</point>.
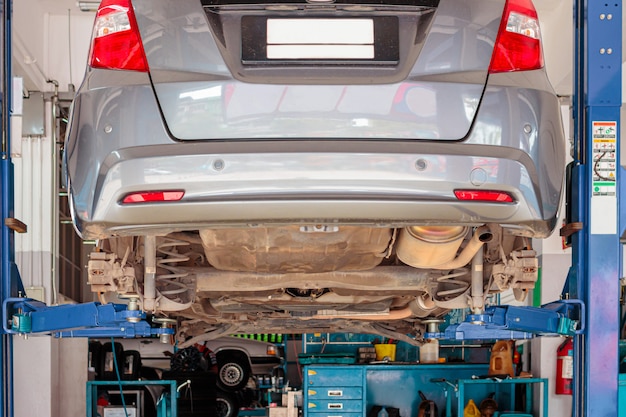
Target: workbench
<point>354,390</point>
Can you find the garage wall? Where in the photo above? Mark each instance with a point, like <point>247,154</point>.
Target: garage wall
<point>50,45</point>
<point>28,44</point>
<point>67,40</point>
<point>556,21</point>
<point>34,193</point>
<point>47,370</point>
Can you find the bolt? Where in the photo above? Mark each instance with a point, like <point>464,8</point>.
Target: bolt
<point>218,165</point>
<point>609,51</point>
<point>602,51</point>
<point>602,16</point>
<point>609,16</point>
<point>528,128</point>
<point>133,305</point>
<point>108,129</point>
<point>421,164</point>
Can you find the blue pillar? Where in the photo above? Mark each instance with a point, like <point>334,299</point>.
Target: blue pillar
<point>8,270</point>
<point>596,251</point>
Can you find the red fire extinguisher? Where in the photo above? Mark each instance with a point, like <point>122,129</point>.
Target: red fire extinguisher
<point>565,367</point>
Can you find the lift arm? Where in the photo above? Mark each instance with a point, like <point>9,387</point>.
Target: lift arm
<point>510,322</point>
<point>78,320</point>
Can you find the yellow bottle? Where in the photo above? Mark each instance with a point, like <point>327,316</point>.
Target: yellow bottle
<point>471,409</point>
<point>501,360</point>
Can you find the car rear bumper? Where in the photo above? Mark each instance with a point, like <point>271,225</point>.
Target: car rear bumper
<point>512,148</point>
<point>387,189</point>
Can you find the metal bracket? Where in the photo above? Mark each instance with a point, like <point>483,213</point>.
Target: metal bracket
<point>510,322</point>
<point>77,320</point>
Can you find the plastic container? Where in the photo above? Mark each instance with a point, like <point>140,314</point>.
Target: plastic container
<point>385,352</point>
<point>501,361</point>
<point>471,409</point>
<point>429,351</point>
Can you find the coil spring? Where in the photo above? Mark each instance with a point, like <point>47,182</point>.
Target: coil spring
<point>461,286</point>
<point>171,284</point>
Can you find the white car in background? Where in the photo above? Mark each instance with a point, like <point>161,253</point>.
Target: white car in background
<point>238,358</point>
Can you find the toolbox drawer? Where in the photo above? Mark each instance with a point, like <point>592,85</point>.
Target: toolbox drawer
<point>340,393</point>
<point>334,377</point>
<point>332,406</point>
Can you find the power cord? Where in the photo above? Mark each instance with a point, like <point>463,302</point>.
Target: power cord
<point>119,379</point>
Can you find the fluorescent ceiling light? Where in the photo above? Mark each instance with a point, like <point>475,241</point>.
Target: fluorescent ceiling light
<point>88,6</point>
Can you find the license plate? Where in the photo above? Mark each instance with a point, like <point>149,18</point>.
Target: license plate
<point>320,39</point>
<point>323,40</point>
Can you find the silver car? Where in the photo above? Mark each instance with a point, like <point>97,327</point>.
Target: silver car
<point>314,165</point>
<point>237,358</point>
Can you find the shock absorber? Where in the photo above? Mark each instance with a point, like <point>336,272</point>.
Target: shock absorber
<point>165,291</point>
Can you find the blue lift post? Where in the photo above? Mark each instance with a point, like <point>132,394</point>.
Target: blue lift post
<point>597,188</point>
<point>7,262</point>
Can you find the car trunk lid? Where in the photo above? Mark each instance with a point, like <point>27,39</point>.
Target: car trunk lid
<point>246,70</point>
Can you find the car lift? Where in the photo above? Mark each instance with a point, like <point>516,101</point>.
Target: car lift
<point>591,293</point>
<point>596,191</point>
<point>22,315</point>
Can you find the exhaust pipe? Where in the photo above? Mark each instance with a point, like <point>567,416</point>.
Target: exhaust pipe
<point>435,247</point>
<point>390,315</point>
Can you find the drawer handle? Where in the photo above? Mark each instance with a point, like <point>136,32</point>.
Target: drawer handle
<point>335,406</point>
<point>335,393</point>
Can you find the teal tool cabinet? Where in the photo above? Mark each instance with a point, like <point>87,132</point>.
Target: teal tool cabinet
<point>506,393</point>
<point>353,390</point>
<point>336,391</point>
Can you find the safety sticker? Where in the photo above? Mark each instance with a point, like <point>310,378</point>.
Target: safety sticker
<point>604,137</point>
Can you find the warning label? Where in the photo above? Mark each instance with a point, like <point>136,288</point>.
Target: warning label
<point>604,139</point>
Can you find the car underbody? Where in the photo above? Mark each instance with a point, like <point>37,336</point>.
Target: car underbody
<point>314,278</point>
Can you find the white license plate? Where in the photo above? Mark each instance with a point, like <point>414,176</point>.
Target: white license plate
<point>320,39</point>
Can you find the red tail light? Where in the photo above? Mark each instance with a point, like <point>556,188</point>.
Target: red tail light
<point>518,44</point>
<point>153,196</point>
<point>484,195</point>
<point>115,42</point>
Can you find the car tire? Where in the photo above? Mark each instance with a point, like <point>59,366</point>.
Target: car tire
<point>226,405</point>
<point>233,372</point>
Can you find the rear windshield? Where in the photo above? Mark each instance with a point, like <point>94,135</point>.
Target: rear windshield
<point>240,110</point>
